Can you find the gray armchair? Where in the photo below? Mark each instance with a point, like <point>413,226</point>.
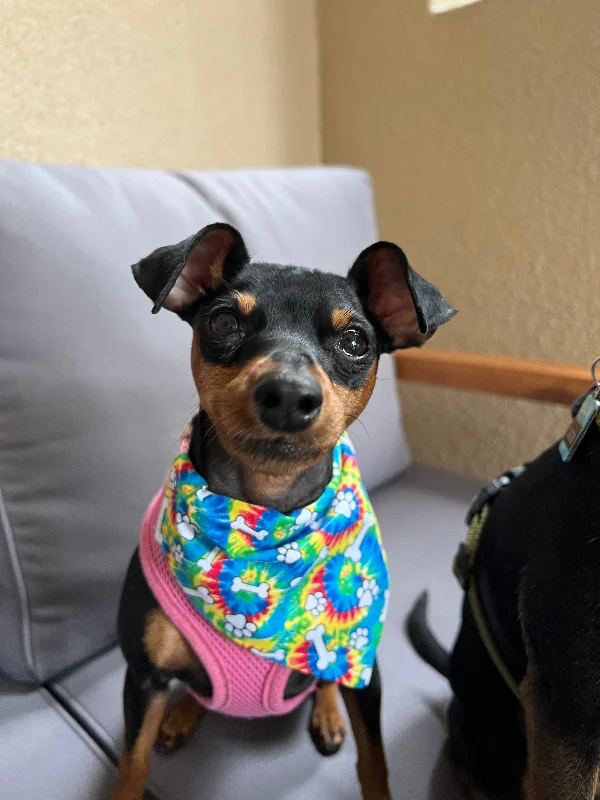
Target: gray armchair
<point>94,392</point>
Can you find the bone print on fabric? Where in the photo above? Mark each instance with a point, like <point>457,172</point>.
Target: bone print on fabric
<point>308,590</point>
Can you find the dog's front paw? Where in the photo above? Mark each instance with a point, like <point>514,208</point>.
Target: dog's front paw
<point>327,726</point>
<point>178,725</point>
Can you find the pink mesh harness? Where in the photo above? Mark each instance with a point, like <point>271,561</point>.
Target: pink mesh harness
<point>244,685</point>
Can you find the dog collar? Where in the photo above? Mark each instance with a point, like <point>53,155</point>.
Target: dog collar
<point>308,590</point>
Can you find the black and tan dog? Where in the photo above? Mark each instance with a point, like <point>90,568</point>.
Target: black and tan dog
<point>524,721</point>
<point>284,359</point>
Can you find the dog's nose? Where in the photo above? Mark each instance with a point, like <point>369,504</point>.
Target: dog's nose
<point>288,401</point>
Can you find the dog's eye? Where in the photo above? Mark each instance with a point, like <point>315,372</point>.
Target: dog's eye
<point>353,343</point>
<point>224,323</point>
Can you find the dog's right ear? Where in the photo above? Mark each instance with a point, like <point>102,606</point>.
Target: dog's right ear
<point>177,275</point>
<point>405,307</point>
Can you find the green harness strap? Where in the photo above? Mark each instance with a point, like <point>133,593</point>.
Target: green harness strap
<point>473,538</point>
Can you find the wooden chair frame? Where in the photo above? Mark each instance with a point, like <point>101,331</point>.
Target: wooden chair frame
<point>509,376</point>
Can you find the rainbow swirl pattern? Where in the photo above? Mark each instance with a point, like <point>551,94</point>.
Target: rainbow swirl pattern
<point>308,590</point>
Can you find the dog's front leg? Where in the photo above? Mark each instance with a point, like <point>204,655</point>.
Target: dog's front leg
<point>364,710</point>
<point>144,710</point>
<point>166,653</point>
<point>560,766</point>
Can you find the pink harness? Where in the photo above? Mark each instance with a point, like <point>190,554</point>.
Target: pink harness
<point>244,685</point>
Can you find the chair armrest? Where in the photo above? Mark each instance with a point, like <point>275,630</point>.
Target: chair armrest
<point>510,376</point>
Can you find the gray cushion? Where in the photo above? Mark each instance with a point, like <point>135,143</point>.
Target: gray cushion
<point>94,393</point>
<point>95,390</point>
<point>45,754</point>
<point>422,521</point>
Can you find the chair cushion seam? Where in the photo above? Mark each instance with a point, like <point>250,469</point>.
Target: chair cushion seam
<point>21,586</point>
<point>77,729</point>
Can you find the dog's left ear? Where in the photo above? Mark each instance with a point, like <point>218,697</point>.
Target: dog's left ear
<point>177,275</point>
<point>406,308</point>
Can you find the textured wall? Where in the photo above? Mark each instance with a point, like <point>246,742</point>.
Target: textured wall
<point>481,128</point>
<point>160,83</point>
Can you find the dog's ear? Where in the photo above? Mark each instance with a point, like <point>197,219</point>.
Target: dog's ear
<point>405,307</point>
<point>177,275</point>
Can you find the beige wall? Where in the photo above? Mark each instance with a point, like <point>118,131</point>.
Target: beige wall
<point>481,129</point>
<point>183,83</point>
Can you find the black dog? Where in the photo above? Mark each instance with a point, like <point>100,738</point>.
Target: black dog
<point>525,669</point>
<point>284,359</point>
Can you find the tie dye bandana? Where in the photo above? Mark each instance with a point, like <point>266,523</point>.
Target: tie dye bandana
<point>308,590</point>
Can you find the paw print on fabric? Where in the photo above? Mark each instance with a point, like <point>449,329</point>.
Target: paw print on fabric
<point>367,592</point>
<point>316,603</point>
<point>366,675</point>
<point>239,626</point>
<point>307,518</point>
<point>177,551</point>
<point>344,504</point>
<point>172,479</point>
<point>336,469</point>
<point>359,638</point>
<point>386,601</point>
<point>203,493</point>
<point>289,553</point>
<point>158,535</point>
<point>185,527</point>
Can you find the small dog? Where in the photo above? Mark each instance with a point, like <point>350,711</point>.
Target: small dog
<point>262,546</point>
<point>524,721</point>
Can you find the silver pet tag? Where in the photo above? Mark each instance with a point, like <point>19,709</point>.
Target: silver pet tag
<point>582,421</point>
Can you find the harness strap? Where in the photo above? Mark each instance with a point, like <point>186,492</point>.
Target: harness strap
<point>486,638</point>
<point>464,569</point>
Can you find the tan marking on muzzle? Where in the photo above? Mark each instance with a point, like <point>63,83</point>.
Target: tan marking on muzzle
<point>341,406</point>
<point>226,394</point>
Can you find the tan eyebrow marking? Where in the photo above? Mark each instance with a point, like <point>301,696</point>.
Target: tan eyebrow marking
<point>340,318</point>
<point>246,302</point>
